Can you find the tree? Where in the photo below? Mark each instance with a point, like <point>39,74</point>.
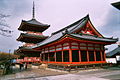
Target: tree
<point>7,56</point>
<point>4,27</point>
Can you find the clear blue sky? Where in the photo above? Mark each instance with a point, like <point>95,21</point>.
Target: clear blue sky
<point>60,13</point>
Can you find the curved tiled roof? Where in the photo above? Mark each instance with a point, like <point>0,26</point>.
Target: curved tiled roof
<point>35,22</point>
<point>113,52</point>
<point>33,25</point>
<point>58,34</point>
<point>31,38</point>
<point>71,28</point>
<point>117,5</point>
<point>95,38</point>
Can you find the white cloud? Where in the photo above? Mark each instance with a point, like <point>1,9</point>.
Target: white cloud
<point>57,13</point>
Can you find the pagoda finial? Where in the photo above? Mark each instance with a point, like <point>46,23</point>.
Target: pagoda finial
<point>33,15</point>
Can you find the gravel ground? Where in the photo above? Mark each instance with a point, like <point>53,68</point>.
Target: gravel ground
<point>50,74</point>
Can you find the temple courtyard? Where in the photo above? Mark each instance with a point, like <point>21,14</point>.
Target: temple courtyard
<point>52,74</point>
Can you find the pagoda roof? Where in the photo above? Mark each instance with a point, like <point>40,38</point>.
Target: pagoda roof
<point>33,25</point>
<point>78,25</point>
<point>31,38</point>
<point>77,36</point>
<point>113,52</point>
<point>70,29</point>
<point>26,50</point>
<point>94,38</point>
<point>117,5</point>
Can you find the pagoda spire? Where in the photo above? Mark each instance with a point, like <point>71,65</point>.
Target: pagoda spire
<point>33,12</point>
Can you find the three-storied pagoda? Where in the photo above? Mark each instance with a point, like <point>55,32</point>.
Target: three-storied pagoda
<point>31,36</point>
<point>76,44</point>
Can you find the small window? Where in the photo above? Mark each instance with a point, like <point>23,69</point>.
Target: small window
<point>42,49</point>
<point>97,45</point>
<point>97,48</point>
<point>90,44</point>
<point>102,47</point>
<point>90,48</point>
<point>67,47</point>
<point>74,43</point>
<point>74,47</point>
<point>52,50</point>
<point>65,44</point>
<point>42,52</point>
<point>46,48</point>
<point>59,49</point>
<point>83,47</point>
<point>59,46</point>
<point>52,47</point>
<point>46,51</point>
<point>82,44</point>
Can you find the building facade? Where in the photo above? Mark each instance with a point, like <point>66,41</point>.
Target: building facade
<point>77,44</point>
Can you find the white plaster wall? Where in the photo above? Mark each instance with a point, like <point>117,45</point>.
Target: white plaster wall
<point>118,57</point>
<point>111,60</point>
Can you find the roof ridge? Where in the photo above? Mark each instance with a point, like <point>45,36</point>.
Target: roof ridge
<point>110,52</point>
<point>36,21</point>
<point>87,16</point>
<point>79,23</point>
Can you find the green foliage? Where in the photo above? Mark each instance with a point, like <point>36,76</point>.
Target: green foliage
<point>6,56</point>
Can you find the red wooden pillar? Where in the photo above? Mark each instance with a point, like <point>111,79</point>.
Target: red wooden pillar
<point>79,56</point>
<point>79,52</point>
<point>62,54</point>
<point>62,57</point>
<point>70,52</point>
<point>55,56</point>
<point>101,55</point>
<point>43,55</point>
<point>48,55</point>
<point>87,55</point>
<point>94,52</point>
<point>70,55</point>
<point>94,55</point>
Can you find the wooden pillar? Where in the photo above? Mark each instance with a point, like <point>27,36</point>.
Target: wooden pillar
<point>48,57</point>
<point>70,52</point>
<point>62,54</point>
<point>43,56</point>
<point>79,56</point>
<point>70,55</point>
<point>104,56</point>
<point>55,56</point>
<point>94,55</point>
<point>101,55</point>
<point>40,57</point>
<point>87,55</point>
<point>79,52</point>
<point>49,54</point>
<point>62,57</point>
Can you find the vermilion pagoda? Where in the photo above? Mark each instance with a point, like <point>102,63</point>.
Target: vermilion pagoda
<point>32,35</point>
